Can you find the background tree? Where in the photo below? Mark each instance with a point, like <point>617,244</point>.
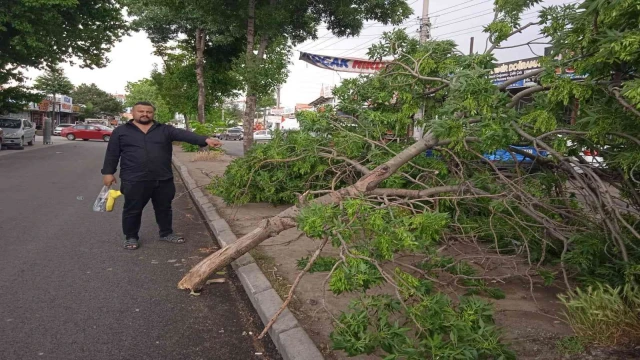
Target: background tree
<point>54,82</point>
<point>272,26</point>
<point>146,90</point>
<point>255,35</point>
<point>96,101</point>
<point>177,84</point>
<point>380,197</point>
<point>201,27</point>
<point>46,32</point>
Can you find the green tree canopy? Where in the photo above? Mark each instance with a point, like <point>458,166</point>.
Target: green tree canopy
<point>53,82</point>
<point>176,80</point>
<point>146,90</point>
<point>96,101</point>
<point>41,32</point>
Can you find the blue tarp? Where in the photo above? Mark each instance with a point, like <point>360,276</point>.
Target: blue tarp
<point>505,156</point>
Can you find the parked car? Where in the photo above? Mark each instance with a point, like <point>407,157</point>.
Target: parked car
<point>87,132</point>
<point>232,134</point>
<point>58,130</point>
<point>17,132</point>
<point>217,133</point>
<point>1,138</point>
<point>262,136</point>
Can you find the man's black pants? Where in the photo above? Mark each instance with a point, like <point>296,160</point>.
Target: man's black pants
<point>136,196</point>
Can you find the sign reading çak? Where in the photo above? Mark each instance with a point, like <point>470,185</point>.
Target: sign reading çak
<point>360,66</point>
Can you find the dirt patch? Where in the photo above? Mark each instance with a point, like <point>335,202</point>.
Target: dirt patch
<point>531,314</point>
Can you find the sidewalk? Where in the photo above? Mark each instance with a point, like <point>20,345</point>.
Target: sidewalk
<point>57,141</point>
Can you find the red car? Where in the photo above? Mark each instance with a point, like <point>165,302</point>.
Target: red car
<point>87,132</point>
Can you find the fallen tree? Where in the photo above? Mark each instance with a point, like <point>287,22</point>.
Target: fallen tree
<point>508,174</point>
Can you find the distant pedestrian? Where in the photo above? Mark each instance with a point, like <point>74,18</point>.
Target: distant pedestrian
<point>144,149</point>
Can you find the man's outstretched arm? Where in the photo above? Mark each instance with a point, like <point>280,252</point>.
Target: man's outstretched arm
<point>192,138</point>
<point>111,159</point>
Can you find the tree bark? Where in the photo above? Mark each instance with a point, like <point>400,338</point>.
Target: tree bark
<point>247,123</point>
<point>197,276</point>
<point>251,98</point>
<point>200,40</point>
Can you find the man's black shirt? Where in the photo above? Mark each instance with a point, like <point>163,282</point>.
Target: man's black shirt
<point>145,156</point>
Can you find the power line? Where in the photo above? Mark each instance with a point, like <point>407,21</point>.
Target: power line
<point>312,45</point>
<point>466,18</point>
<point>452,11</point>
<point>333,36</point>
<point>360,47</point>
<point>346,38</point>
<point>533,15</point>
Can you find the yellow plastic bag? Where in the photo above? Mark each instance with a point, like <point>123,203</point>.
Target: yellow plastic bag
<point>106,200</point>
<point>111,199</point>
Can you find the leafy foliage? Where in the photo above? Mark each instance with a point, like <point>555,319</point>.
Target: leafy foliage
<point>47,32</point>
<point>146,90</point>
<point>201,129</point>
<point>570,345</point>
<point>96,101</point>
<point>322,263</point>
<point>566,217</point>
<point>287,175</point>
<point>465,331</point>
<point>54,82</point>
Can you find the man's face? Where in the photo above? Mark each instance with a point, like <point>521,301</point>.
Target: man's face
<point>143,114</point>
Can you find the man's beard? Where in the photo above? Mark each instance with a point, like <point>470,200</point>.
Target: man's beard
<point>144,121</point>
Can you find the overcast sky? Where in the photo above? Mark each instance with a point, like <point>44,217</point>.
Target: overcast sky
<point>459,20</point>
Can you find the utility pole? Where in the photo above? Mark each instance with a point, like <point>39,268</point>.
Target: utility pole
<point>425,34</point>
<point>47,130</point>
<point>425,25</point>
<point>471,46</point>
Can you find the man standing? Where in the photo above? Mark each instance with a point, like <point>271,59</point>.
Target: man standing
<point>144,148</point>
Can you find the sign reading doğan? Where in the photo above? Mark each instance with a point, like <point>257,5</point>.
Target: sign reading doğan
<point>505,71</point>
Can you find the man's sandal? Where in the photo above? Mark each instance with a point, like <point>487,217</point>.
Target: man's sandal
<point>173,238</point>
<point>131,244</point>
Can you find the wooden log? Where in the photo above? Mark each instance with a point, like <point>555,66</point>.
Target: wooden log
<point>197,276</point>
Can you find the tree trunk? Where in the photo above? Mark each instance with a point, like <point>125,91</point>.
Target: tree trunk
<point>200,40</point>
<point>197,276</point>
<point>53,114</point>
<point>247,123</point>
<point>251,98</point>
<point>186,122</point>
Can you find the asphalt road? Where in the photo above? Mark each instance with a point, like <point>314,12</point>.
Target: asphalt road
<point>233,147</point>
<point>68,290</point>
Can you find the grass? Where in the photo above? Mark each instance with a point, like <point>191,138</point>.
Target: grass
<point>207,155</point>
<point>603,315</point>
<point>322,263</point>
<point>570,345</point>
<point>268,266</point>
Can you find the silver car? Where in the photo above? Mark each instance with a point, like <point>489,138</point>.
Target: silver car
<point>58,130</point>
<point>17,132</point>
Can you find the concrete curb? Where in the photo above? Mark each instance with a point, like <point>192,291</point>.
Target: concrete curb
<point>292,341</point>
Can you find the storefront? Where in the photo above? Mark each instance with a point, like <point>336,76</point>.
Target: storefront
<point>509,70</point>
<point>37,113</point>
